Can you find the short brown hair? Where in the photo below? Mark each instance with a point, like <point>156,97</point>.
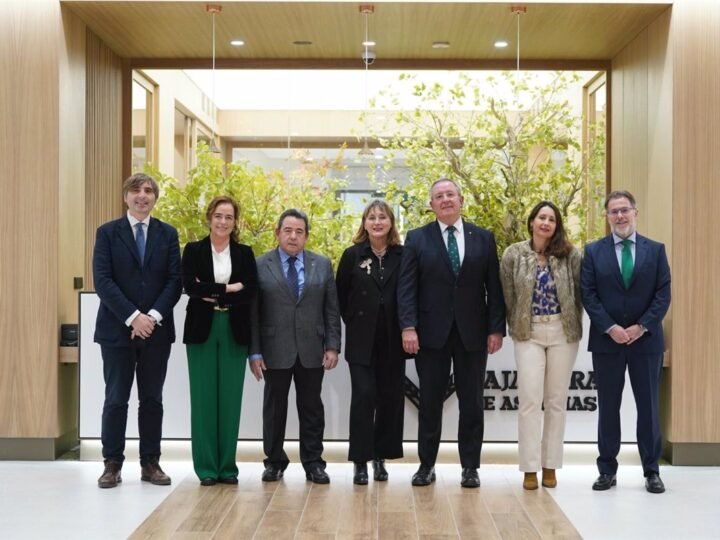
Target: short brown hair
<point>137,180</point>
<point>620,195</point>
<point>224,199</point>
<point>393,237</point>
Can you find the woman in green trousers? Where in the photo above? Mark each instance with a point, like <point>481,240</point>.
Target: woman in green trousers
<point>220,277</point>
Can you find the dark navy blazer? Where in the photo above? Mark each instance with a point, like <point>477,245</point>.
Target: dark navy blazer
<point>431,298</point>
<point>125,285</point>
<point>608,302</point>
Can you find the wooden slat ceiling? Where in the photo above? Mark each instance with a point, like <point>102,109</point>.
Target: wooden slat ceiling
<point>403,31</point>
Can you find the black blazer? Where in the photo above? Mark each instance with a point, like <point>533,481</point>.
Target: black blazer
<point>124,285</point>
<point>360,294</point>
<point>431,298</point>
<point>198,278</point>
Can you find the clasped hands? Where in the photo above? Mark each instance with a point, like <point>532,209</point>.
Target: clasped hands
<point>626,336</point>
<point>142,326</point>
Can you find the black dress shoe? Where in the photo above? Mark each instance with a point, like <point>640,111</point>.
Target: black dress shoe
<point>271,474</point>
<point>379,471</point>
<point>604,482</point>
<point>228,480</point>
<point>361,475</point>
<point>424,476</point>
<point>208,482</point>
<point>653,483</point>
<point>470,478</point>
<point>317,475</point>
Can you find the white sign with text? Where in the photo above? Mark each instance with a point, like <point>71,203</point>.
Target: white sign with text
<point>500,395</point>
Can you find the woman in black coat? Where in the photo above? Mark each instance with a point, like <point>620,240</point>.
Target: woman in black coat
<point>220,277</point>
<point>366,285</point>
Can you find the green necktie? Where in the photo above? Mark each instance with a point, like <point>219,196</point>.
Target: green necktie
<point>452,248</point>
<point>626,262</point>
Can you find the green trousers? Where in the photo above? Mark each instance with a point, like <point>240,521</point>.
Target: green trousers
<point>216,370</point>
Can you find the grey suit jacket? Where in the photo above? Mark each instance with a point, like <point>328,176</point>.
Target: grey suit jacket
<point>284,329</point>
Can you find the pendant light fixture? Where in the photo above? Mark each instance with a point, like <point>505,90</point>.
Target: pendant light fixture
<point>517,11</point>
<point>213,9</point>
<point>368,58</point>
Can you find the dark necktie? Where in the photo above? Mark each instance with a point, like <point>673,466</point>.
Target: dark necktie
<point>626,263</point>
<point>292,278</point>
<point>452,248</point>
<point>140,240</point>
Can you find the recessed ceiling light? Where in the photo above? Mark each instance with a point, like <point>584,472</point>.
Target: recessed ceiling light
<point>237,43</point>
<point>368,43</point>
<point>501,44</point>
<point>441,45</point>
<point>302,42</point>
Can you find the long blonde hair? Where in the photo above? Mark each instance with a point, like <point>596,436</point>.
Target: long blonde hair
<point>393,237</point>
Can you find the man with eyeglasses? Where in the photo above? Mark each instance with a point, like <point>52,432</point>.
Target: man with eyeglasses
<point>626,291</point>
<point>295,336</point>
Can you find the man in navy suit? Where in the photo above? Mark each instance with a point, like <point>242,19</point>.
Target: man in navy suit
<point>136,268</point>
<point>452,311</point>
<point>626,292</point>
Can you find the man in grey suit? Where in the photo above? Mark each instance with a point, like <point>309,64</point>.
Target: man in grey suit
<point>295,335</point>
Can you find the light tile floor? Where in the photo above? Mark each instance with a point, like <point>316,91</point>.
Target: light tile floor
<point>60,499</point>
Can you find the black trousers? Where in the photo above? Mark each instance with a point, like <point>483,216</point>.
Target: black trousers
<point>433,367</point>
<point>148,360</point>
<point>645,371</point>
<point>311,414</point>
<point>377,406</point>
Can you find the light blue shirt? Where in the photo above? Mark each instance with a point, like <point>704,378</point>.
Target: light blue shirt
<point>299,267</point>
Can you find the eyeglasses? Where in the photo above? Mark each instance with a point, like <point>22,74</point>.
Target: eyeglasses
<point>615,212</point>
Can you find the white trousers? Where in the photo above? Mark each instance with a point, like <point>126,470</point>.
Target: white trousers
<point>544,365</point>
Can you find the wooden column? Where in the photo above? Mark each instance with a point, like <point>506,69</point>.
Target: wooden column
<point>29,152</point>
<point>694,431</point>
<point>665,137</point>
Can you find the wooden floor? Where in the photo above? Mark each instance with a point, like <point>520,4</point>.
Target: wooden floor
<point>296,509</point>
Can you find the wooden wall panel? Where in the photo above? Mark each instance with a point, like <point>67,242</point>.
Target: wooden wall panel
<point>695,31</point>
<point>642,148</point>
<point>71,204</point>
<point>29,108</point>
<point>629,136</point>
<point>103,195</point>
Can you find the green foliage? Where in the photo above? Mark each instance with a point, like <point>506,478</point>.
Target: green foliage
<point>497,149</point>
<point>262,196</point>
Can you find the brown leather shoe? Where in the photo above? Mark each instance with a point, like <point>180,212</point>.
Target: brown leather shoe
<point>530,481</point>
<point>548,478</point>
<point>110,477</point>
<point>151,472</point>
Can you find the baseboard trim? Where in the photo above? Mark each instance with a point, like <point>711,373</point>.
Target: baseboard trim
<point>706,454</point>
<point>37,449</point>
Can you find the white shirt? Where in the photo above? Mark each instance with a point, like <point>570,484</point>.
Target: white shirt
<point>146,223</point>
<point>222,266</point>
<point>134,221</point>
<point>459,236</point>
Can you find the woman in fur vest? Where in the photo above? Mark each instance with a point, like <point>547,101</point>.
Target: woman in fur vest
<point>541,284</point>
